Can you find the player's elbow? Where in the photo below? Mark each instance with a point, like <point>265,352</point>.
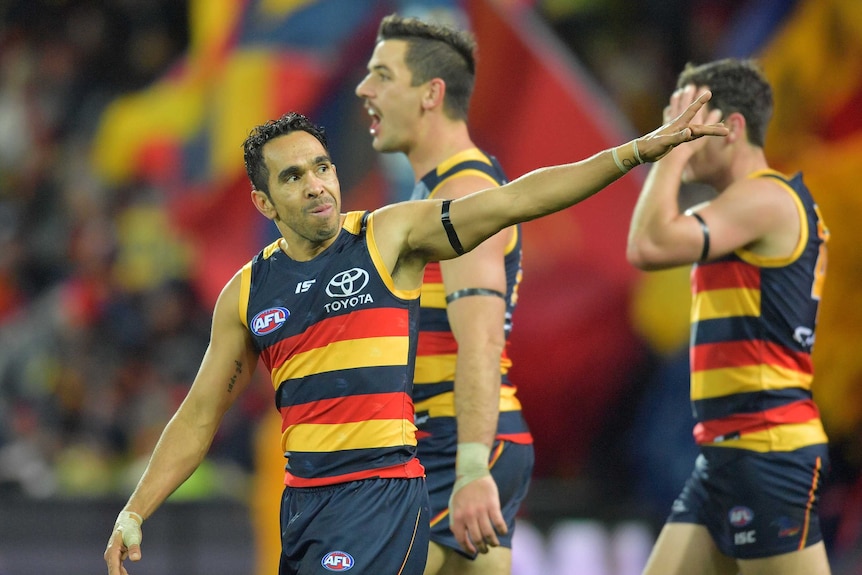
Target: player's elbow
<point>644,255</point>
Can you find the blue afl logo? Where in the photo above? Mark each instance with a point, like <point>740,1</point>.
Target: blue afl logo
<point>269,320</point>
<point>740,516</point>
<point>337,561</point>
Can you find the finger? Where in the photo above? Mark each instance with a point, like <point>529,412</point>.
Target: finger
<point>713,117</point>
<point>462,537</point>
<point>694,107</point>
<point>477,538</point>
<point>499,523</point>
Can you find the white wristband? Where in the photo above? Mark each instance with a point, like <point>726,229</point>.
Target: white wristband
<point>617,161</point>
<point>129,524</point>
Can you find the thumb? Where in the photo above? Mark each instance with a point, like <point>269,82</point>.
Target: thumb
<point>135,552</point>
<point>129,525</point>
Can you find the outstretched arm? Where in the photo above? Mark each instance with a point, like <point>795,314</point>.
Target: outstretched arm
<point>412,232</point>
<point>224,373</point>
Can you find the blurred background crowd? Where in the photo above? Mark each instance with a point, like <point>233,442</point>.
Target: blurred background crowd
<point>124,209</point>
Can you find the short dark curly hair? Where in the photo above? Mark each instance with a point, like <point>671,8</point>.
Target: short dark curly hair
<point>737,85</point>
<point>255,166</point>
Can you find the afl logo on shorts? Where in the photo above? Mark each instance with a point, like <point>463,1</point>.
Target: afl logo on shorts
<point>337,561</point>
<point>269,320</point>
<point>740,516</point>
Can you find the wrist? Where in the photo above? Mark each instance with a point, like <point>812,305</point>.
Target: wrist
<point>471,463</point>
<point>471,460</point>
<point>627,156</point>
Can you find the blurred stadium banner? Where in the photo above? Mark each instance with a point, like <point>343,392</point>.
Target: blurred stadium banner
<point>534,105</point>
<point>574,345</point>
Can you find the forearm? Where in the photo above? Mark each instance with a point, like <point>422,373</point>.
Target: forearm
<point>655,211</point>
<point>477,394</point>
<point>551,189</point>
<point>179,451</point>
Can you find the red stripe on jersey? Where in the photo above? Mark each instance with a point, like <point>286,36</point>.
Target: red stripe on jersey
<point>349,409</point>
<point>433,275</point>
<point>725,275</point>
<point>377,322</point>
<point>748,352</point>
<point>407,470</point>
<point>436,343</point>
<point>796,412</point>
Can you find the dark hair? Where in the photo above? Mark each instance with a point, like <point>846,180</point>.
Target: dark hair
<point>737,85</point>
<point>255,166</point>
<point>436,51</point>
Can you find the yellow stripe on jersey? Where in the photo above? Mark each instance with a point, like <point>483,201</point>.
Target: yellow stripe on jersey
<point>244,291</point>
<point>434,368</point>
<point>443,405</point>
<point>380,265</point>
<point>368,352</point>
<point>766,262</point>
<point>512,242</point>
<point>732,380</point>
<point>721,303</point>
<point>433,296</point>
<point>371,434</point>
<point>788,437</point>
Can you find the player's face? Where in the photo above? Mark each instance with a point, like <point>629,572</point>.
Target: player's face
<point>392,103</point>
<point>305,191</point>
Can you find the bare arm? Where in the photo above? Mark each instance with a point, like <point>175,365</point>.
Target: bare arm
<point>225,372</point>
<point>477,321</point>
<point>414,234</point>
<point>751,213</point>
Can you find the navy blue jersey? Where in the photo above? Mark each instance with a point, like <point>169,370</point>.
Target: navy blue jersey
<point>437,351</point>
<point>753,321</point>
<point>339,341</point>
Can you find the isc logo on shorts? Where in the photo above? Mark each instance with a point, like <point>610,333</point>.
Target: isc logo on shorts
<point>337,561</point>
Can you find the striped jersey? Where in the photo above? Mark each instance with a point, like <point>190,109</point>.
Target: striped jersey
<point>753,320</point>
<point>338,340</point>
<point>433,390</point>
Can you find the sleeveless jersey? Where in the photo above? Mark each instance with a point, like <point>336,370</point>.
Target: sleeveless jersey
<point>753,321</point>
<point>437,350</point>
<point>339,342</point>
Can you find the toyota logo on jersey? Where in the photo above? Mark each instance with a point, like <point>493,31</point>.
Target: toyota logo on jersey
<point>347,283</point>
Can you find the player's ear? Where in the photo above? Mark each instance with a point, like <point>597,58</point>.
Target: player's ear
<point>736,126</point>
<point>263,204</point>
<point>434,94</point>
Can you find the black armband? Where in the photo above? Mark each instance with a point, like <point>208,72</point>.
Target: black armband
<point>466,292</point>
<point>450,229</point>
<point>705,253</point>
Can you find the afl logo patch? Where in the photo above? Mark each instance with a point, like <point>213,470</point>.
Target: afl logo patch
<point>337,561</point>
<point>740,516</point>
<point>347,283</point>
<point>269,320</point>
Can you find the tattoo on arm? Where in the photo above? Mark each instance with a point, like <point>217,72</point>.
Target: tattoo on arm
<point>235,375</point>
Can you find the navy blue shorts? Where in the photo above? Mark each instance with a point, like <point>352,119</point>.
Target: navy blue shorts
<point>754,504</point>
<point>366,527</point>
<point>511,471</point>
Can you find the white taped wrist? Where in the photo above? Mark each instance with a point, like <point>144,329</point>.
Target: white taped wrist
<point>471,463</point>
<point>129,524</point>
